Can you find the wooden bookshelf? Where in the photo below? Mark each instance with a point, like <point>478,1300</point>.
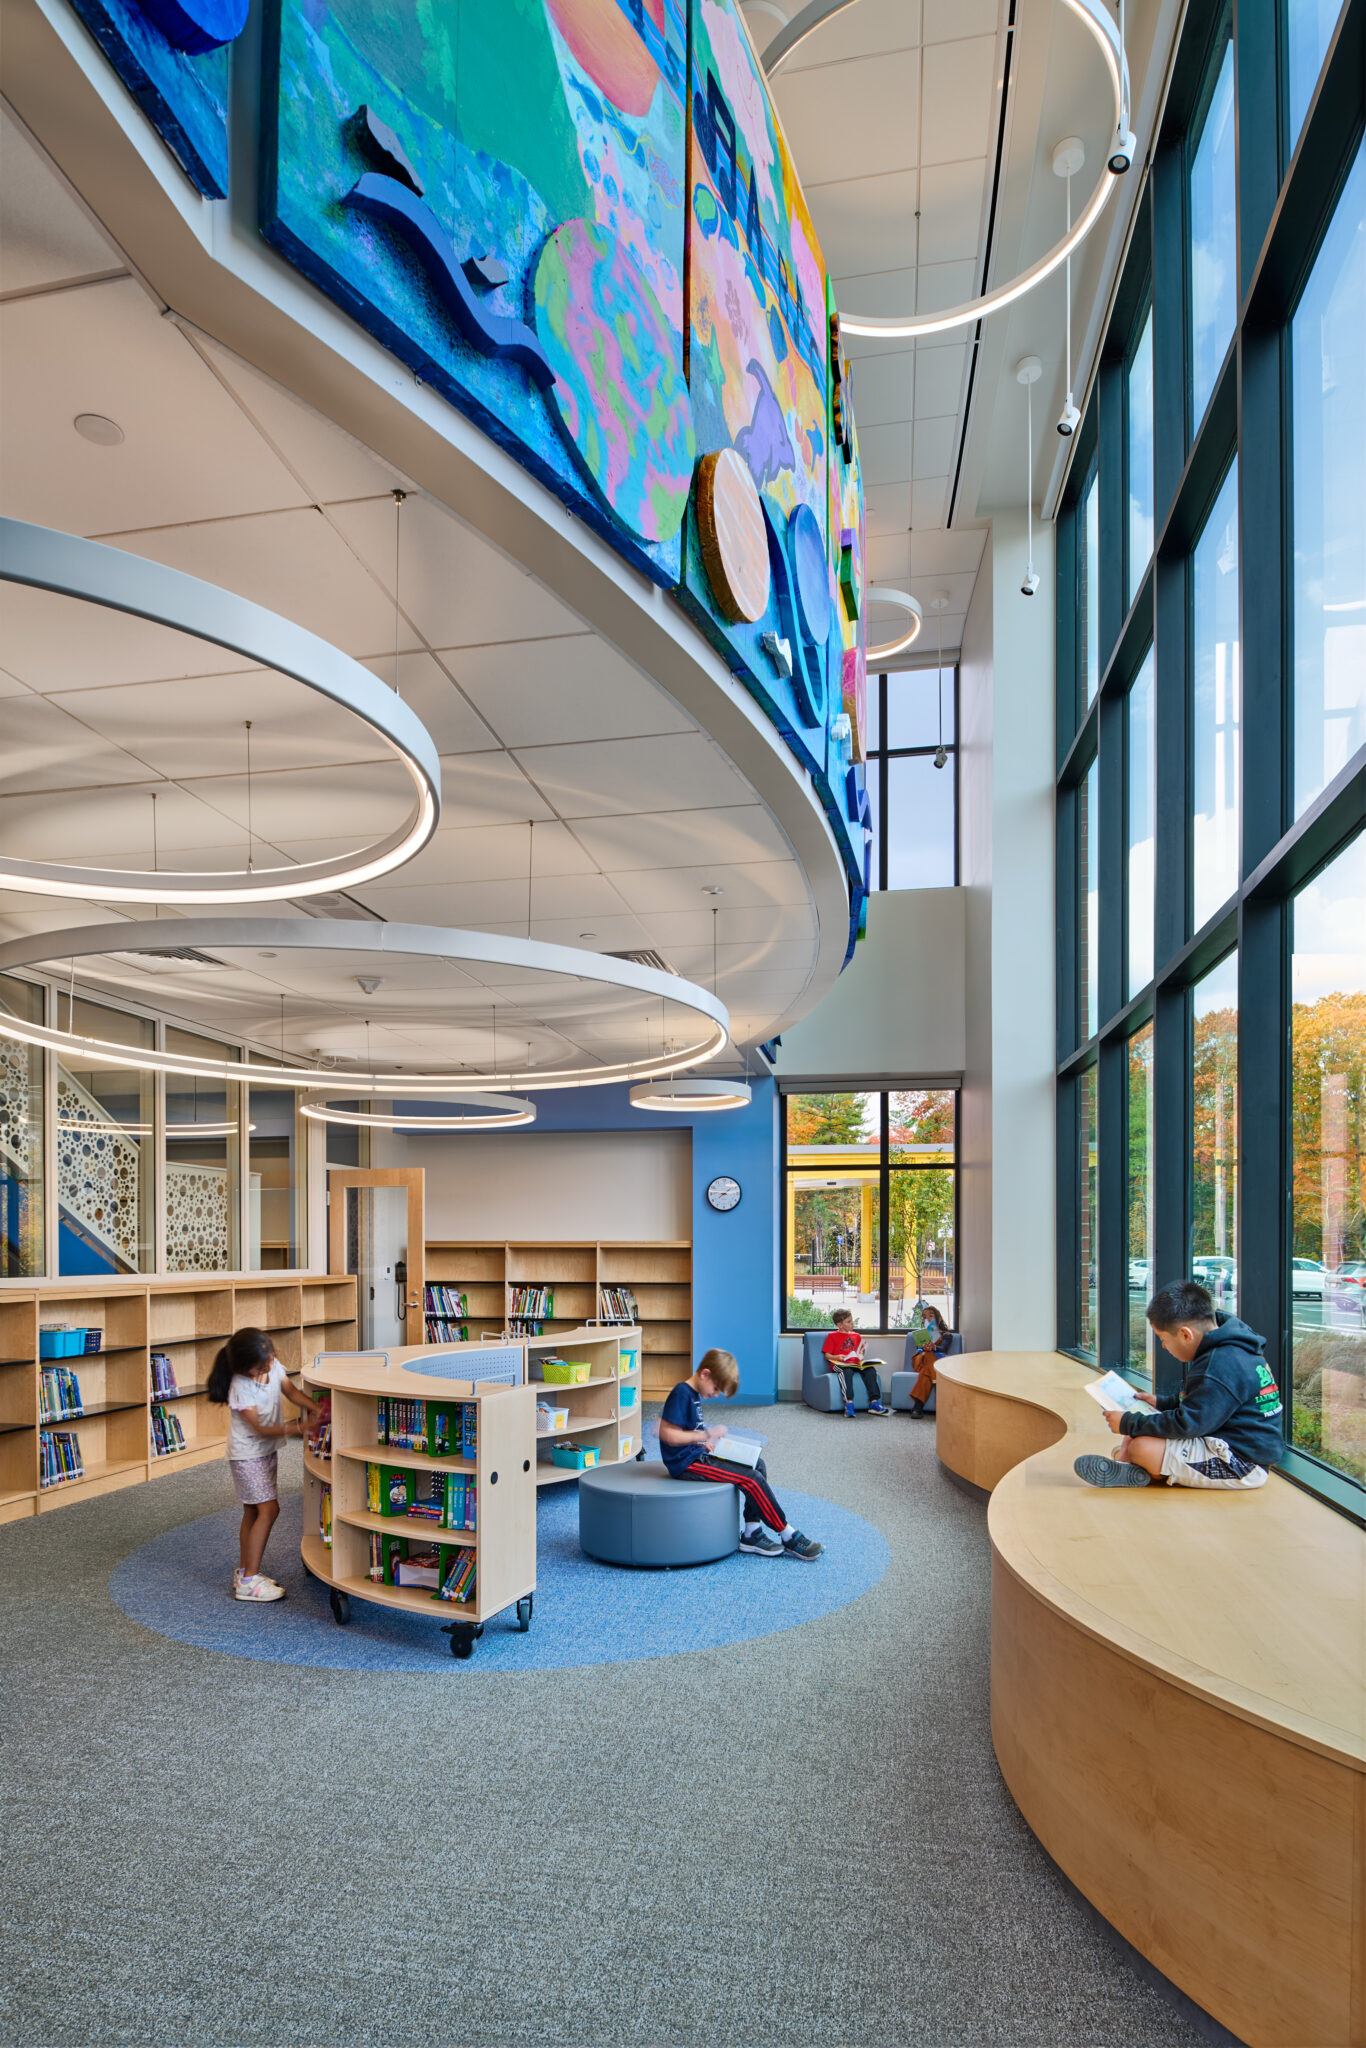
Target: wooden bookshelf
<point>658,1274</point>
<point>604,1410</point>
<point>503,1470</point>
<point>188,1320</point>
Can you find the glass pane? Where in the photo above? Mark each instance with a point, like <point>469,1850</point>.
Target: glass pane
<point>1086,1212</point>
<point>275,1182</point>
<point>874,712</point>
<point>1088,936</point>
<point>920,1126</point>
<point>875,823</point>
<point>847,1123</point>
<point>920,1246</point>
<point>344,1147</point>
<point>1142,1285</point>
<point>920,823</point>
<point>104,1148</point>
<point>1328,398</point>
<point>1328,1164</point>
<point>1140,419</point>
<point>833,1226</point>
<point>21,1138</point>
<point>1090,584</point>
<point>1214,245</point>
<point>1142,826</point>
<point>203,1142</point>
<point>920,708</point>
<point>1216,707</point>
<point>1309,26</point>
<point>1214,1134</point>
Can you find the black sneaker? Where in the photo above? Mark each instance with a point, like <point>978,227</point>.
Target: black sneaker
<point>803,1547</point>
<point>761,1544</point>
<point>1099,1471</point>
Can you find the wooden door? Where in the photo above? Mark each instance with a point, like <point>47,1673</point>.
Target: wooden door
<point>384,1244</point>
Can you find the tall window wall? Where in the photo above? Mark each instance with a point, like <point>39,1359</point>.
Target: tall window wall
<point>871,1210</point>
<point>1212,743</point>
<point>913,778</point>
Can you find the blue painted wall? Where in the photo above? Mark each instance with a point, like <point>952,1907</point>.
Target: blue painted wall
<point>735,1257</point>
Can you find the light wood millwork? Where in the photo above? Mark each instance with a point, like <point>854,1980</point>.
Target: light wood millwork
<point>1178,1701</point>
<point>598,1420</point>
<point>188,1320</point>
<point>414,1180</point>
<point>504,1472</point>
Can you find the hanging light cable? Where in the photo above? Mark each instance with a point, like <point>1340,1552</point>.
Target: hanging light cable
<point>1028,372</point>
<point>399,497</point>
<point>1068,158</point>
<point>688,1096</point>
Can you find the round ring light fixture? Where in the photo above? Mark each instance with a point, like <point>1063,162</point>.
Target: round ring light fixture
<point>380,943</point>
<point>688,1096</point>
<point>877,594</point>
<point>1096,18</point>
<point>44,559</point>
<point>504,1113</point>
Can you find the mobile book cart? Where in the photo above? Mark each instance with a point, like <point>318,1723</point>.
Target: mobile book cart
<point>603,1407</point>
<point>500,1468</point>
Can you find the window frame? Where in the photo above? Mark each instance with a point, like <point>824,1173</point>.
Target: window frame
<point>878,758</point>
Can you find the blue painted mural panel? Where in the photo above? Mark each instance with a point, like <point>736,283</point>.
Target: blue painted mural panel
<point>174,59</point>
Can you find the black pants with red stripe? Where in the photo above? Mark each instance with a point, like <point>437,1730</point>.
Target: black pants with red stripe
<point>760,1503</point>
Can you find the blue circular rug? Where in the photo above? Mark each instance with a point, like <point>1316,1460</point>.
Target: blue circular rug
<point>180,1585</point>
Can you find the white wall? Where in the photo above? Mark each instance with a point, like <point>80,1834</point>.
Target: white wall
<point>975,693</point>
<point>898,1009</point>
<point>551,1185</point>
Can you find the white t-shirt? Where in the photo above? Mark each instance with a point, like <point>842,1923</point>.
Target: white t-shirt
<point>265,1397</point>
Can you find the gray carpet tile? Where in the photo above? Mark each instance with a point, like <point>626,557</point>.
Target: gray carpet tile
<point>801,1839</point>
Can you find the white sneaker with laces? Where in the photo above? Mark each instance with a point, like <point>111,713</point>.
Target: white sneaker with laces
<point>255,1587</point>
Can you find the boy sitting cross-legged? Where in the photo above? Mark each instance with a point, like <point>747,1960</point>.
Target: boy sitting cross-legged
<point>1222,1429</point>
<point>686,1445</point>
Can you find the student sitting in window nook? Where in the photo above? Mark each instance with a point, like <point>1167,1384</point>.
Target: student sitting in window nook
<point>844,1350</point>
<point>686,1445</point>
<point>936,1337</point>
<point>1223,1428</point>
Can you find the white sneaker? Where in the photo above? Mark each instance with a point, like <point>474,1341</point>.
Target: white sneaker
<point>257,1588</point>
<point>237,1578</point>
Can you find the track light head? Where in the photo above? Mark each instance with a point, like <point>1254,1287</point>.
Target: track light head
<point>1123,151</point>
<point>1029,587</point>
<point>941,757</point>
<point>1068,420</point>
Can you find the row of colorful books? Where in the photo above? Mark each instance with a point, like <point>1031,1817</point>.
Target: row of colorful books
<point>59,1457</point>
<point>617,1305</point>
<point>320,1435</point>
<point>449,1499</point>
<point>440,1429</point>
<point>167,1435</point>
<point>59,1394</point>
<point>441,1330</point>
<point>444,1301</point>
<point>164,1381</point>
<point>533,1302</point>
<point>402,1561</point>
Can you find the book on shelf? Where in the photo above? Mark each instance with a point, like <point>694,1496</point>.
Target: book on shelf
<point>458,1579</point>
<point>164,1382</point>
<point>438,1429</point>
<point>444,1312</point>
<point>320,1431</point>
<point>532,1304</point>
<point>447,1499</point>
<point>59,1394</point>
<point>617,1305</point>
<point>325,1515</point>
<point>167,1435</point>
<point>60,1459</point>
<point>419,1564</point>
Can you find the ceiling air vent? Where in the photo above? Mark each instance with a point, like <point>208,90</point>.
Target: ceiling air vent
<point>648,958</point>
<point>164,959</point>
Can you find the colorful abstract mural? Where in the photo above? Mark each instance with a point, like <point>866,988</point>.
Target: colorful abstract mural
<point>173,56</point>
<point>496,192</point>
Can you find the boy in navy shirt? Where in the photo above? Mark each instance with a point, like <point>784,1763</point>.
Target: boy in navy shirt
<point>1223,1428</point>
<point>686,1444</point>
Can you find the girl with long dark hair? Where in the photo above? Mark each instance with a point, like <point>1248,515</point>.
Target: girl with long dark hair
<point>250,1381</point>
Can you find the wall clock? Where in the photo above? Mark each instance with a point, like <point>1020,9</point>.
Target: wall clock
<point>723,1194</point>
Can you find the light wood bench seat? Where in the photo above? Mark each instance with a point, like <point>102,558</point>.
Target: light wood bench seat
<point>1178,1703</point>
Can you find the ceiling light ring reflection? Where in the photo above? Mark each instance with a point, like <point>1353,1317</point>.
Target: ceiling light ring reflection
<point>66,565</point>
<point>1097,20</point>
<point>879,594</point>
<point>380,941</point>
<point>507,1113</point>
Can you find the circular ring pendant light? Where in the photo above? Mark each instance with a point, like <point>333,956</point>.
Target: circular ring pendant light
<point>503,1113</point>
<point>44,559</point>
<point>687,1095</point>
<point>1096,18</point>
<point>878,594</point>
<point>379,944</point>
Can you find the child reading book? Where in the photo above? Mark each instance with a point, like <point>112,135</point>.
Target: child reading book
<point>844,1350</point>
<point>249,1379</point>
<point>1222,1429</point>
<point>688,1448</point>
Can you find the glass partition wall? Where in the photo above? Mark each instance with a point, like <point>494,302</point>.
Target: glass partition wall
<point>1212,740</point>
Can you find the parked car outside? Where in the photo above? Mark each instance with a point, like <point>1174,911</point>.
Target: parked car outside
<point>1308,1276</point>
<point>1138,1275</point>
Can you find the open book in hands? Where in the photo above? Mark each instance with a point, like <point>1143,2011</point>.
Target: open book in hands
<point>741,1446</point>
<point>1113,1392</point>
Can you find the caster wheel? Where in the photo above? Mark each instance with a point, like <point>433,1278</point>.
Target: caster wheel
<point>464,1635</point>
<point>640,1455</point>
<point>524,1613</point>
<point>341,1608</point>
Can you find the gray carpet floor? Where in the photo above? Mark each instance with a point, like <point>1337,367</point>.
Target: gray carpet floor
<point>803,1839</point>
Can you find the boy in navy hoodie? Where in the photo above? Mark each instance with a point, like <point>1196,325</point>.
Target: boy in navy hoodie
<point>1223,1428</point>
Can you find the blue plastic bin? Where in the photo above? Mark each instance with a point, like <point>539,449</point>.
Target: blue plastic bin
<point>61,1343</point>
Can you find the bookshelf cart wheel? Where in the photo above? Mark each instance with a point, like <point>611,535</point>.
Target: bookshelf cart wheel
<point>341,1607</point>
<point>464,1635</point>
<point>640,1454</point>
<point>524,1613</point>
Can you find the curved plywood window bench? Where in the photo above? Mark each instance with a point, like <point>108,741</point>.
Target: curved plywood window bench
<point>1178,1703</point>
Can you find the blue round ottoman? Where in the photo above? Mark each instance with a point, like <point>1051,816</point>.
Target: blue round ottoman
<point>636,1515</point>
